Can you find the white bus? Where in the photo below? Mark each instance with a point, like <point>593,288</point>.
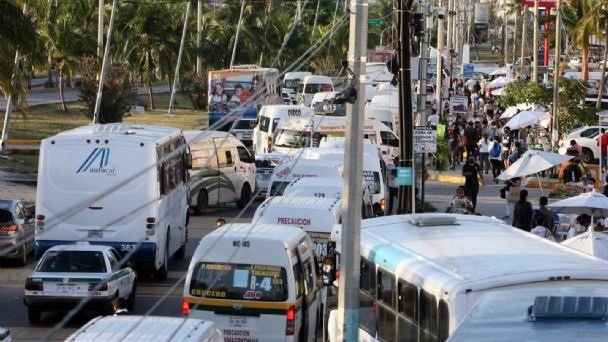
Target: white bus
<point>421,274</point>
<point>120,185</point>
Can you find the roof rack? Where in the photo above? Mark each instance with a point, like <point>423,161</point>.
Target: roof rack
<point>548,308</point>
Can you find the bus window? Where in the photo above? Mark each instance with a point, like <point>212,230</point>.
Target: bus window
<point>368,278</point>
<point>386,288</point>
<point>367,314</point>
<point>407,305</point>
<point>444,321</point>
<point>428,316</point>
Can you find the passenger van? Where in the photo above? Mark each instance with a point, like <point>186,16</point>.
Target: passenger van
<point>311,85</point>
<point>222,171</point>
<point>323,104</point>
<point>269,119</point>
<point>309,133</point>
<point>257,282</point>
<point>147,328</point>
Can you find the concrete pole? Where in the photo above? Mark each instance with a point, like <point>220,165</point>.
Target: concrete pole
<point>348,296</point>
<point>556,77</point>
<point>448,14</point>
<point>179,59</point>
<point>535,44</point>
<point>422,68</point>
<point>439,73</point>
<point>523,40</point>
<point>104,65</point>
<point>100,28</point>
<point>9,96</point>
<point>199,38</point>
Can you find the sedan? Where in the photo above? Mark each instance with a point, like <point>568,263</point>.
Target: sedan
<point>80,275</point>
<point>16,230</point>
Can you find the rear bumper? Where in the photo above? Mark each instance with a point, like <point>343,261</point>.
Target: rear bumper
<point>50,303</point>
<point>145,253</point>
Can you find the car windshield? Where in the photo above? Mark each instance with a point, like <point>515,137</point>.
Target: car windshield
<point>292,138</point>
<point>72,261</point>
<point>239,282</point>
<point>6,217</point>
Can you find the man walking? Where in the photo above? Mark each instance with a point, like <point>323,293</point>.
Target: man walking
<point>546,213</point>
<point>472,173</point>
<point>393,188</point>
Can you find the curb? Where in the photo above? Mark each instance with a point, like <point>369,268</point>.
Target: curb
<point>451,179</point>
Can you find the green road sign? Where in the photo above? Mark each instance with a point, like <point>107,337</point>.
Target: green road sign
<point>404,176</point>
<point>375,22</point>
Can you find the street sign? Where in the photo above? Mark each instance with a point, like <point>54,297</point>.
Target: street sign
<point>404,176</point>
<point>375,22</point>
<point>425,139</point>
<point>468,70</point>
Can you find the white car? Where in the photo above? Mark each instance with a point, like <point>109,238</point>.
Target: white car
<point>584,136</point>
<point>69,274</point>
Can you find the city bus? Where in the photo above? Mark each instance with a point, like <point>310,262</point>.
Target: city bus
<point>421,274</point>
<point>260,87</point>
<point>120,185</point>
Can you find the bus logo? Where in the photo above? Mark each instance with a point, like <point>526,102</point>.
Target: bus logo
<point>97,162</point>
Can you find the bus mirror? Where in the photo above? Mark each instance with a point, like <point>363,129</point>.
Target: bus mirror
<point>188,161</point>
<point>329,271</point>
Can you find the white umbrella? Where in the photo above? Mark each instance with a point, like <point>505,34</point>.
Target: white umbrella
<point>499,71</point>
<point>523,119</point>
<point>590,242</point>
<point>591,203</point>
<point>498,92</point>
<point>511,111</point>
<point>500,82</point>
<point>533,162</point>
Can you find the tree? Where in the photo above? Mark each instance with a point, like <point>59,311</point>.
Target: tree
<point>520,91</point>
<point>572,112</point>
<point>580,25</point>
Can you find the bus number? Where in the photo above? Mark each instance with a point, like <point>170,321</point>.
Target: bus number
<point>319,194</point>
<point>321,249</point>
<point>127,247</point>
<point>294,112</point>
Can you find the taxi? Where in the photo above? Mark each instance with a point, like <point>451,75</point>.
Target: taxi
<point>79,275</point>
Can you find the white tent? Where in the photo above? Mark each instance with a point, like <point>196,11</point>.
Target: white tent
<point>590,242</point>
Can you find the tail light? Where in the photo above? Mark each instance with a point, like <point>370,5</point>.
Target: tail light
<point>40,221</point>
<point>383,203</point>
<point>290,327</point>
<point>150,225</point>
<point>185,308</point>
<point>269,145</point>
<point>337,274</point>
<point>9,228</point>
<point>98,287</point>
<point>32,285</point>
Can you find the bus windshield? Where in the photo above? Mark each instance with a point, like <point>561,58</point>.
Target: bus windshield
<point>239,282</point>
<point>292,138</point>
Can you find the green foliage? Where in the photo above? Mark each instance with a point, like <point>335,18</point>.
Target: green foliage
<point>572,112</point>
<point>118,95</point>
<point>194,88</point>
<point>520,91</point>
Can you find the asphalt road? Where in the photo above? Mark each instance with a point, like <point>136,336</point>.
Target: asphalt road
<point>164,298</point>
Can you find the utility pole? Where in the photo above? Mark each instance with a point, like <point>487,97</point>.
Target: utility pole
<point>448,13</point>
<point>422,67</point>
<point>556,76</point>
<point>535,44</point>
<point>348,296</point>
<point>439,72</point>
<point>179,59</point>
<point>406,193</point>
<point>9,95</point>
<point>199,38</point>
<point>104,65</point>
<point>523,40</point>
<point>100,28</point>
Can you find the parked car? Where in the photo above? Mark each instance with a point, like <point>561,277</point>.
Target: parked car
<point>69,274</point>
<point>584,136</point>
<point>242,129</point>
<point>17,228</point>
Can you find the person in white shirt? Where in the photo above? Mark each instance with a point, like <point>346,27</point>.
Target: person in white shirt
<point>484,152</point>
<point>540,228</point>
<point>433,119</point>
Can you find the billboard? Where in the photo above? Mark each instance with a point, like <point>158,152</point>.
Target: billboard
<point>482,13</point>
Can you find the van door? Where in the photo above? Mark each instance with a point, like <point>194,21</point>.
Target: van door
<point>227,167</point>
<point>310,300</point>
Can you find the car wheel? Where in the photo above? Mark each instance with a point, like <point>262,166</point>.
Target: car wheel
<point>22,261</point>
<point>587,156</point>
<point>33,315</point>
<point>131,298</point>
<point>245,196</point>
<point>201,203</point>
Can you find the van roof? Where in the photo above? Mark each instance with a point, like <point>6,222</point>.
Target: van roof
<point>261,232</point>
<point>145,133</point>
<point>333,182</point>
<point>317,79</point>
<point>301,202</point>
<point>328,123</point>
<point>200,135</point>
<point>144,328</point>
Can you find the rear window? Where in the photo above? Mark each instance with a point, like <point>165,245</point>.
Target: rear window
<point>72,261</point>
<point>239,282</point>
<point>6,217</point>
<point>292,139</point>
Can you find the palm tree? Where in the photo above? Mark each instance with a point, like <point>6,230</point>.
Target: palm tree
<point>513,9</point>
<point>580,25</point>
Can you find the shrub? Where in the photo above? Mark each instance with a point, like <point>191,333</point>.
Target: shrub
<point>195,88</point>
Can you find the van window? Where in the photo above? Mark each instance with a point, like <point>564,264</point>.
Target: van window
<point>299,276</point>
<point>293,139</point>
<point>203,155</point>
<point>388,138</point>
<point>277,188</point>
<point>239,282</point>
<point>371,137</point>
<point>225,157</point>
<point>244,155</point>
<point>275,123</point>
<point>264,123</point>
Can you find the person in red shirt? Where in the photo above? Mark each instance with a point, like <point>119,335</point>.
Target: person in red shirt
<point>602,141</point>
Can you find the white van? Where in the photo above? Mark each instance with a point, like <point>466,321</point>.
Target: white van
<point>323,104</point>
<point>289,171</point>
<point>311,85</point>
<point>264,165</point>
<point>385,114</point>
<point>291,84</point>
<point>309,132</point>
<point>222,171</point>
<point>147,328</point>
<point>269,118</point>
<point>257,282</point>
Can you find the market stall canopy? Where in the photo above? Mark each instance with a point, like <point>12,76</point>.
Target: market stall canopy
<point>591,242</point>
<point>532,162</point>
<point>591,203</point>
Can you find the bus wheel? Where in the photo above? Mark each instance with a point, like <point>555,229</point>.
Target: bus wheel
<point>245,196</point>
<point>201,203</point>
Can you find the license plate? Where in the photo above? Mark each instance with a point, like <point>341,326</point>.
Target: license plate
<point>246,136</point>
<point>238,322</point>
<point>98,234</point>
<point>69,289</point>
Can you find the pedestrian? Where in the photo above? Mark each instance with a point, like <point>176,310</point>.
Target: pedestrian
<point>512,188</point>
<point>120,307</point>
<point>547,214</point>
<point>522,212</point>
<point>495,157</point>
<point>541,230</point>
<point>571,173</point>
<point>460,203</point>
<point>472,174</point>
<point>470,138</point>
<point>393,188</point>
<point>579,149</point>
<point>484,152</point>
<point>454,144</point>
<point>220,222</point>
<point>602,142</point>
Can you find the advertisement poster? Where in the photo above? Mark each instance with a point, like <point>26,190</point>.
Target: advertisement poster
<point>459,104</point>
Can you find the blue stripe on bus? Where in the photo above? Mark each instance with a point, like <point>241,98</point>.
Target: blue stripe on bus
<point>389,256</point>
<point>146,253</point>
